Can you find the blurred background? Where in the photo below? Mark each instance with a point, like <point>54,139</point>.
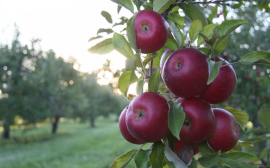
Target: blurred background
<point>59,104</point>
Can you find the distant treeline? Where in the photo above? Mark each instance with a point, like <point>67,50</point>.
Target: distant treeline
<point>36,85</point>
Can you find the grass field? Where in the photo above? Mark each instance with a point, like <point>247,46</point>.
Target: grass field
<point>76,145</point>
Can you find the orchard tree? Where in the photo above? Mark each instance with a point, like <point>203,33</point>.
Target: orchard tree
<point>58,84</point>
<point>173,49</point>
<point>100,100</point>
<point>17,64</point>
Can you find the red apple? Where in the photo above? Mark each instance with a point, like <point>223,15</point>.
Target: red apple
<point>178,144</point>
<point>199,123</point>
<point>124,131</point>
<point>151,31</point>
<point>186,72</point>
<point>147,117</point>
<point>223,85</point>
<point>226,132</point>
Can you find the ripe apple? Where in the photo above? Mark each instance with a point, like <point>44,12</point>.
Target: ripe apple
<point>223,85</point>
<point>147,117</point>
<point>151,31</point>
<point>124,131</point>
<point>186,72</point>
<point>199,123</point>
<point>226,132</point>
<point>178,144</point>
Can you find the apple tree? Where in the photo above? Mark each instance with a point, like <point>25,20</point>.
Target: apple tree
<point>173,55</point>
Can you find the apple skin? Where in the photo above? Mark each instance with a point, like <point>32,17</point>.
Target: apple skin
<point>178,144</point>
<point>226,133</point>
<point>199,123</point>
<point>147,117</point>
<point>186,72</point>
<point>151,31</point>
<point>223,85</point>
<point>123,129</point>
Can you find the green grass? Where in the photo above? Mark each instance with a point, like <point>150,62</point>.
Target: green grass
<point>76,145</point>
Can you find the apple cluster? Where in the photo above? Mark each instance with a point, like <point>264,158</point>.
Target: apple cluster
<point>185,73</point>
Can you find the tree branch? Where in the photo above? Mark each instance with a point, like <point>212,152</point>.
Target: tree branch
<point>219,2</point>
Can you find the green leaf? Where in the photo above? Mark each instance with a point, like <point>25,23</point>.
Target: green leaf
<point>124,20</point>
<point>131,33</point>
<point>209,160</point>
<point>154,82</point>
<point>205,50</point>
<point>125,3</point>
<point>207,31</point>
<point>213,70</point>
<point>107,16</point>
<point>264,115</point>
<point>195,27</point>
<point>126,79</point>
<point>195,12</point>
<point>139,86</point>
<point>102,47</point>
<point>212,39</point>
<point>121,45</point>
<point>157,155</point>
<point>220,47</point>
<point>229,26</point>
<point>119,7</point>
<point>245,144</point>
<point>225,12</point>
<point>156,60</point>
<point>213,13</point>
<point>256,139</point>
<point>171,44</point>
<point>137,58</point>
<point>123,160</point>
<point>169,140</point>
<point>149,57</point>
<point>141,158</point>
<point>219,166</point>
<point>176,18</point>
<point>172,159</point>
<point>101,30</point>
<point>226,27</point>
<point>94,38</point>
<point>239,159</point>
<point>193,164</point>
<point>240,116</point>
<point>176,118</point>
<point>260,57</point>
<point>176,33</point>
<point>236,148</point>
<point>204,148</point>
<point>130,65</point>
<point>161,5</point>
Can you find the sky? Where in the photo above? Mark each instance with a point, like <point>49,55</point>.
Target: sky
<point>62,25</point>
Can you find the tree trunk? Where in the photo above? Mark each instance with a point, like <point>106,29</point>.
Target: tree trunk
<point>5,133</point>
<point>92,121</point>
<point>55,124</point>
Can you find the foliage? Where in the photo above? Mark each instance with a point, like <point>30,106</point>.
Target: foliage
<point>36,86</point>
<point>192,24</point>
